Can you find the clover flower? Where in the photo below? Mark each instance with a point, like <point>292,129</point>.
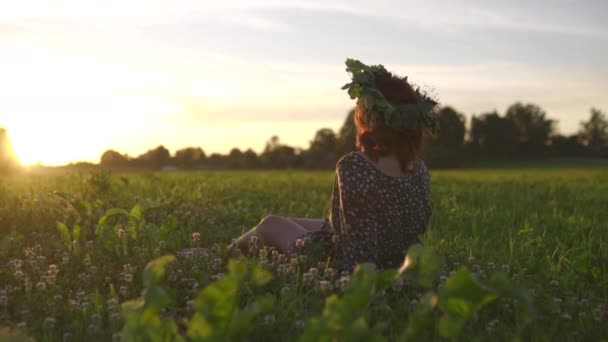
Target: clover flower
<point>325,286</point>
<point>269,319</point>
<point>343,282</point>
<point>491,265</point>
<point>49,323</point>
<point>196,236</point>
<point>308,278</point>
<point>554,283</point>
<point>3,300</point>
<point>299,243</point>
<point>121,233</point>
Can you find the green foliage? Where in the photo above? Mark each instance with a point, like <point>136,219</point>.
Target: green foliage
<point>218,316</point>
<point>143,317</point>
<point>347,318</point>
<point>531,240</point>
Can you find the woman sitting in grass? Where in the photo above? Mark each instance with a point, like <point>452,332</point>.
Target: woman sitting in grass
<point>380,200</point>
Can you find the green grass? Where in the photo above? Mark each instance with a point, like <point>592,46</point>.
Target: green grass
<point>548,226</point>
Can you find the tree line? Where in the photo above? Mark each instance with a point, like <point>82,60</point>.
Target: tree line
<point>524,131</point>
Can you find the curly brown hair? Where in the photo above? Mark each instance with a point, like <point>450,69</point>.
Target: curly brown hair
<point>376,140</point>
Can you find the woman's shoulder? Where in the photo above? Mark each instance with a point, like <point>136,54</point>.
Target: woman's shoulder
<point>349,160</point>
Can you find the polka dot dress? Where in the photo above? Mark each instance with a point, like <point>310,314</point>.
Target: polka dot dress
<point>374,217</point>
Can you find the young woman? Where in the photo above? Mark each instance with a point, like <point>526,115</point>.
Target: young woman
<point>380,200</point>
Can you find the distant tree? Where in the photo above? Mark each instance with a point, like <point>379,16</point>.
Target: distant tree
<point>323,149</point>
<point>277,155</point>
<point>452,128</point>
<point>236,159</point>
<point>566,145</point>
<point>251,159</point>
<point>111,158</point>
<point>156,158</point>
<point>534,129</point>
<point>595,131</point>
<point>8,159</point>
<point>493,135</point>
<point>216,161</point>
<point>189,157</point>
<point>347,135</point>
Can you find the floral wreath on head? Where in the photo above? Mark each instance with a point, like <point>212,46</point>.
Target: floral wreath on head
<point>397,116</point>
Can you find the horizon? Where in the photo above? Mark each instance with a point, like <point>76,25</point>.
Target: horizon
<point>80,79</point>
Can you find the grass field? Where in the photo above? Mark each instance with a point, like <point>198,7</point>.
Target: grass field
<point>509,253</point>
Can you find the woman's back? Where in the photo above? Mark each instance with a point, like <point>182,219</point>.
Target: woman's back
<point>377,216</point>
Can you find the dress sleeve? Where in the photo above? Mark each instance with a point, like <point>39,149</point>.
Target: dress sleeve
<point>424,203</point>
<point>359,226</point>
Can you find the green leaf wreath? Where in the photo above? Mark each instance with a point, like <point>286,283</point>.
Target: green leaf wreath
<point>397,116</point>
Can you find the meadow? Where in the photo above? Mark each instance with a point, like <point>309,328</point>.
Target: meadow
<point>509,254</point>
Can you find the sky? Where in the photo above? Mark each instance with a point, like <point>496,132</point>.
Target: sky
<point>81,77</point>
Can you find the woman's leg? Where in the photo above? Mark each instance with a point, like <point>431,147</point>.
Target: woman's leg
<point>312,225</point>
<point>274,231</point>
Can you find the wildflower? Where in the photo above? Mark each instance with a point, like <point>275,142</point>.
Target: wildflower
<point>67,336</point>
<point>41,286</point>
<point>252,240</point>
<point>121,233</point>
<point>281,258</point>
<point>218,276</point>
<point>491,265</point>
<point>476,268</point>
<point>532,292</point>
<point>299,243</point>
<point>308,278</point>
<point>583,302</point>
<point>128,278</point>
<point>162,244</point>
<point>343,282</point>
<point>3,300</point>
<point>335,239</point>
<point>471,259</point>
<point>29,253</point>
<point>196,236</point>
<point>554,283</point>
<point>49,323</point>
<point>115,317</point>
<point>269,319</point>
<point>314,271</point>
<point>190,304</point>
<point>325,286</point>
<point>21,325</point>
<point>414,301</point>
<point>331,273</point>
<point>557,300</point>
<point>307,241</point>
<point>506,268</point>
<point>566,317</point>
<point>300,324</point>
<point>284,290</point>
<point>18,275</point>
<point>443,278</point>
<point>16,263</point>
<point>123,290</point>
<point>58,298</point>
<point>515,276</point>
<point>216,264</point>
